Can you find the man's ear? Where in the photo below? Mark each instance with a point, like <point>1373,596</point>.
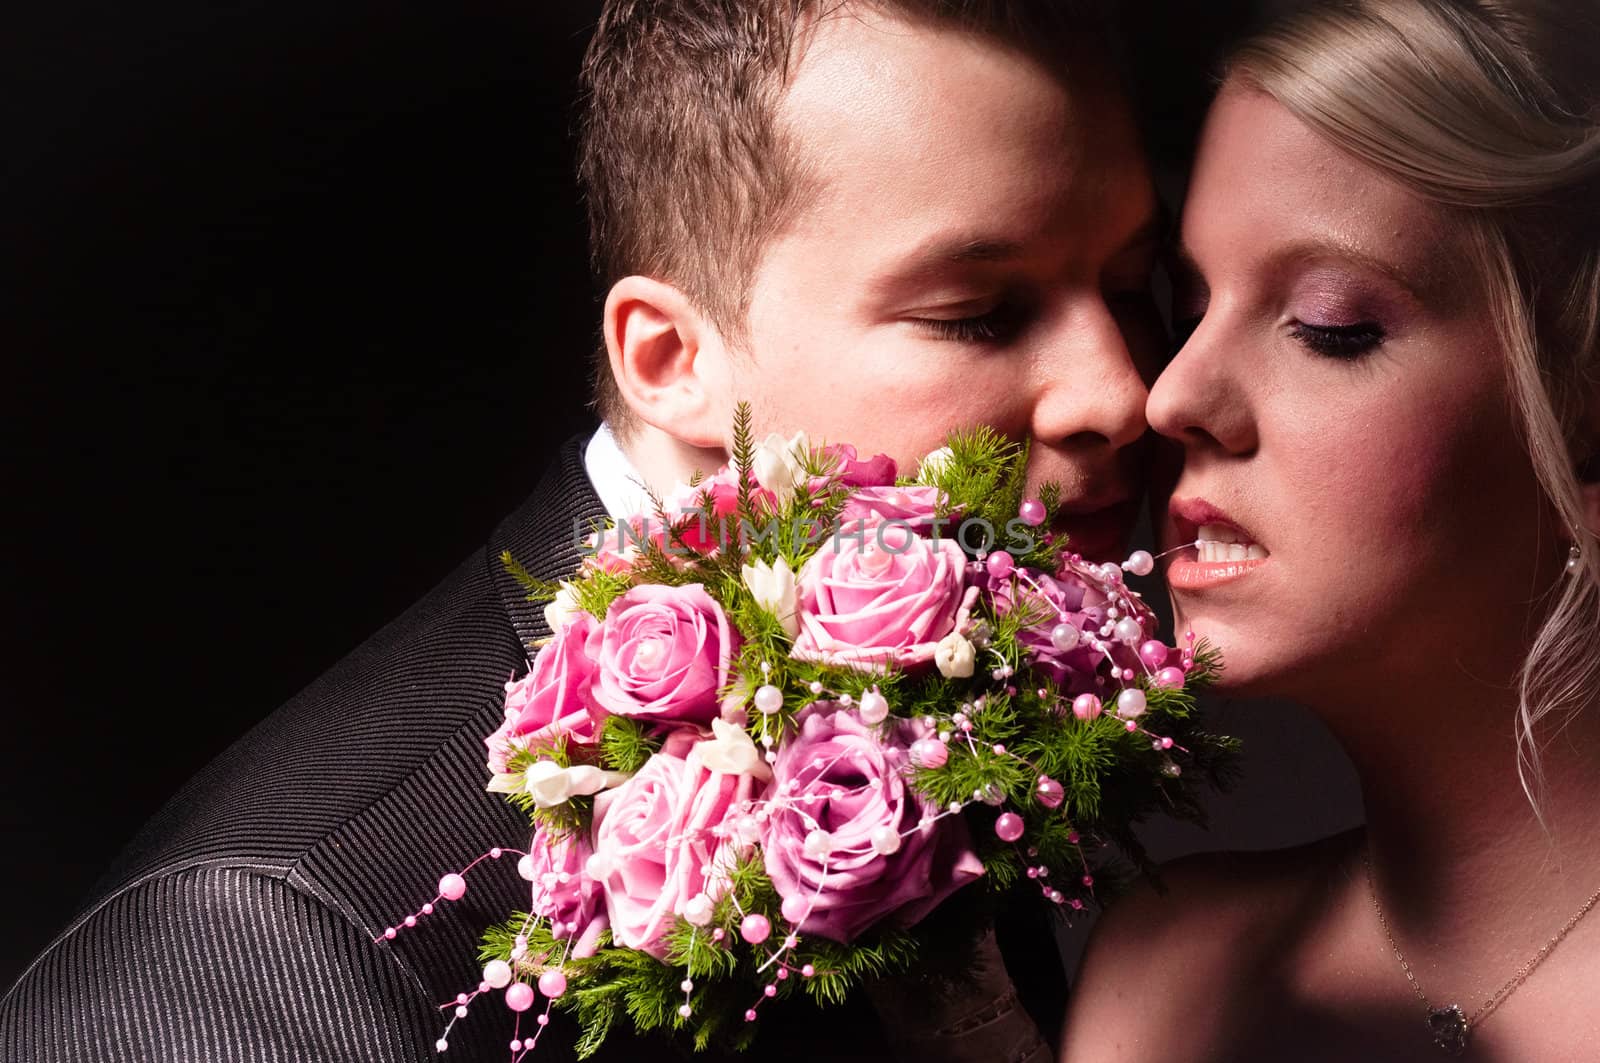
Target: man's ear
<point>669,360</point>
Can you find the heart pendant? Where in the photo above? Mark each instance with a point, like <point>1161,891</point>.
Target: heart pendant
<point>1449,1028</point>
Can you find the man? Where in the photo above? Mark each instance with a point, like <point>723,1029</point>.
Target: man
<point>875,221</point>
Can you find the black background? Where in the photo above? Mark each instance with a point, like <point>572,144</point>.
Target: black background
<point>294,307</point>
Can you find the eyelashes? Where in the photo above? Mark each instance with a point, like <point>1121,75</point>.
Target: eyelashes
<point>999,325</point>
<point>1341,342</point>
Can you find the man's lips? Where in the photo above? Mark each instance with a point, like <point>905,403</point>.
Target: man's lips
<point>1101,533</point>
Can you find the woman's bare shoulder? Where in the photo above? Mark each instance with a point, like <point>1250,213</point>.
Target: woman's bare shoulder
<point>1171,969</point>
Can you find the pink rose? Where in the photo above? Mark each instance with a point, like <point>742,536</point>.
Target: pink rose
<point>836,776</point>
<point>548,702</point>
<point>662,654</point>
<point>658,834</point>
<point>914,505</point>
<point>562,890</point>
<point>865,606</point>
<point>852,471</point>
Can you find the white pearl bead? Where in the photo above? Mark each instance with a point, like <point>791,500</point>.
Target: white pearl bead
<point>819,843</point>
<point>1064,637</point>
<point>874,707</point>
<point>1129,630</point>
<point>697,910</point>
<point>885,840</point>
<point>769,699</point>
<point>1131,703</point>
<point>1140,563</point>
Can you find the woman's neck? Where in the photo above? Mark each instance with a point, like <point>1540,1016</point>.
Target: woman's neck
<point>1464,868</point>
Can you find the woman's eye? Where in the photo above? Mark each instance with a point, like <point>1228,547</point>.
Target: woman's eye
<point>1345,342</point>
<point>999,325</point>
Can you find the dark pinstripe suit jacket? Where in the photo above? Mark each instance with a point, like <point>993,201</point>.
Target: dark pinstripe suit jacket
<point>238,925</point>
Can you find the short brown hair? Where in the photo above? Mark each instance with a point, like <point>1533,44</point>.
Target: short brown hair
<point>684,167</point>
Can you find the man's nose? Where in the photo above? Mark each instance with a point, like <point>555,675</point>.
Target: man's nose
<point>1090,393</point>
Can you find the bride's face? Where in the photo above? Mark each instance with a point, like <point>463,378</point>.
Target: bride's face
<point>1344,416</point>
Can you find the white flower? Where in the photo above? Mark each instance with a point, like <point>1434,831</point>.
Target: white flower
<point>955,656</point>
<point>774,589</point>
<point>563,608</point>
<point>732,752</point>
<point>934,465</point>
<point>551,784</point>
<point>778,465</point>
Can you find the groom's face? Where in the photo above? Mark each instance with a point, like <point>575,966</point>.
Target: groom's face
<point>978,251</point>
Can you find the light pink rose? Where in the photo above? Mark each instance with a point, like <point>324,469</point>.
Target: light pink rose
<point>656,836</point>
<point>563,892</point>
<point>662,654</point>
<point>549,702</point>
<point>915,505</point>
<point>841,776</point>
<point>865,606</point>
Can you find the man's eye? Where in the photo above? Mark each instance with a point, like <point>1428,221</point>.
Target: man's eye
<point>1000,325</point>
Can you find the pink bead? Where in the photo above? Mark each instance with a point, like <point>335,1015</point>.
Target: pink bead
<point>1072,837</point>
<point>452,887</point>
<point>519,997</point>
<point>770,991</point>
<point>1049,793</point>
<point>543,1019</point>
<point>755,928</point>
<point>1170,679</point>
<point>1032,512</point>
<point>1086,706</point>
<point>552,984</point>
<point>411,920</point>
<point>929,753</point>
<point>807,971</point>
<point>795,909</point>
<point>718,934</point>
<point>1000,564</point>
<point>750,1016</point>
<point>1153,653</point>
<point>1132,726</point>
<point>390,933</point>
<point>1008,828</point>
<point>427,909</point>
<point>783,973</point>
<point>494,854</point>
<point>462,998</point>
<point>516,1046</point>
<point>1088,880</point>
<point>1166,743</point>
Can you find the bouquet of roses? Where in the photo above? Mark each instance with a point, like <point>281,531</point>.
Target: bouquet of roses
<point>788,714</point>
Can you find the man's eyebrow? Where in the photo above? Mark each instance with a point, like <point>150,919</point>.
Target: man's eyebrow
<point>930,258</point>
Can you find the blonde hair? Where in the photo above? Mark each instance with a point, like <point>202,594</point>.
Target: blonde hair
<point>1491,109</point>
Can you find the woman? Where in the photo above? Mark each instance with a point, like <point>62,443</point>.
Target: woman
<point>1389,416</point>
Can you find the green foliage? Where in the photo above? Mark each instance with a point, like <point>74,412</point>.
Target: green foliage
<point>597,590</point>
<point>625,744</point>
<point>539,590</point>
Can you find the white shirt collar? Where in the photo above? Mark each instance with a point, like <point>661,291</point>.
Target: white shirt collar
<point>616,481</point>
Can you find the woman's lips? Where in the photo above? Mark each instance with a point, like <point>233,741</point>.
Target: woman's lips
<point>1217,550</point>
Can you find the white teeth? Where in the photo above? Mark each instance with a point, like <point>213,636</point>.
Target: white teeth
<point>1219,544</point>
